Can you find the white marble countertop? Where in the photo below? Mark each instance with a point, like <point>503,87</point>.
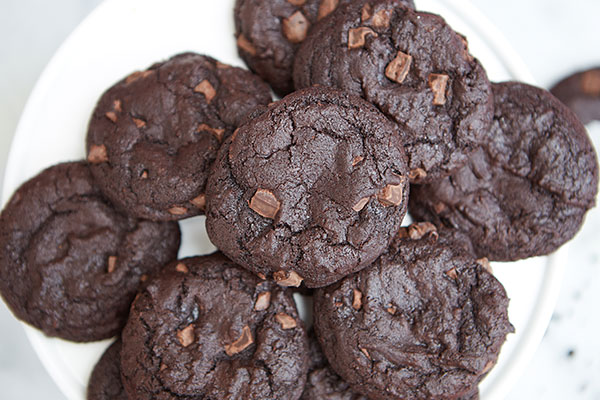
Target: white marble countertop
<point>554,37</point>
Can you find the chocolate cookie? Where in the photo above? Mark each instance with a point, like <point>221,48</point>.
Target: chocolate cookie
<point>581,93</point>
<point>526,191</point>
<point>414,68</point>
<point>154,135</point>
<point>425,321</point>
<point>70,264</point>
<point>105,382</point>
<point>208,329</point>
<point>313,189</point>
<point>269,32</point>
<point>322,382</point>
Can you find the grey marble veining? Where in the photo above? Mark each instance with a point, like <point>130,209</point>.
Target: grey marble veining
<point>554,37</point>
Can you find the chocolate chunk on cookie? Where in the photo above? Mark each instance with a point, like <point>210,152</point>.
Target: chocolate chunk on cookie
<point>105,381</point>
<point>269,32</point>
<point>207,329</point>
<point>70,264</point>
<point>414,68</point>
<point>425,321</point>
<point>154,135</point>
<point>526,191</point>
<point>581,93</point>
<point>322,382</point>
<point>311,190</point>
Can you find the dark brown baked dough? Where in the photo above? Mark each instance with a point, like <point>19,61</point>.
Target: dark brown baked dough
<point>425,321</point>
<point>414,68</point>
<point>105,381</point>
<point>268,33</point>
<point>153,135</point>
<point>207,329</point>
<point>581,93</point>
<point>70,264</point>
<point>526,191</point>
<point>311,190</point>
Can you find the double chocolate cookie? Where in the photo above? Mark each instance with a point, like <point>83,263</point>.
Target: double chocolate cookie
<point>269,32</point>
<point>154,135</point>
<point>425,321</point>
<point>311,190</point>
<point>526,191</point>
<point>581,93</point>
<point>414,68</point>
<point>207,329</point>
<point>105,382</point>
<point>322,382</point>
<point>70,264</point>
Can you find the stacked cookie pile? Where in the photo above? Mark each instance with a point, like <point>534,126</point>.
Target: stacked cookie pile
<point>306,192</point>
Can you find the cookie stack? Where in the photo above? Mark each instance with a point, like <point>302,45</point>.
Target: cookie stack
<point>308,192</point>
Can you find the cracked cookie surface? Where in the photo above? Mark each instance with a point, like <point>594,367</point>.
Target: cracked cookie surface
<point>269,33</point>
<point>153,135</point>
<point>206,328</point>
<point>526,191</point>
<point>105,381</point>
<point>425,321</point>
<point>70,264</point>
<point>311,190</point>
<point>414,68</point>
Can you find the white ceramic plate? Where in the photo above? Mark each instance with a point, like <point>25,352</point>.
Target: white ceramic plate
<point>121,36</point>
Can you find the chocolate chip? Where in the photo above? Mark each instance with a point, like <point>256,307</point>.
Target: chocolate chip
<point>356,299</point>
<point>365,352</point>
<point>245,45</point>
<point>181,267</point>
<point>137,75</point>
<point>356,160</point>
<point>381,19</point>
<point>417,173</point>
<point>452,273</point>
<point>97,154</point>
<point>264,203</point>
<point>391,309</point>
<point>391,195</point>
<point>488,366</point>
<point>242,343</point>
<point>176,210</point>
<point>357,36</point>
<point>206,89</point>
<point>438,83</point>
<point>199,201</point>
<point>366,12</point>
<point>439,207</point>
<point>163,366</point>
<point>361,204</point>
<point>186,335</point>
<point>140,123</point>
<point>418,230</point>
<point>286,321</point>
<point>398,68</point>
<point>295,27</point>
<point>263,301</point>
<point>112,263</point>
<point>485,263</point>
<point>326,7</point>
<point>590,83</point>
<point>117,106</point>
<point>287,278</point>
<point>215,131</point>
<point>112,116</point>
<point>297,3</point>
